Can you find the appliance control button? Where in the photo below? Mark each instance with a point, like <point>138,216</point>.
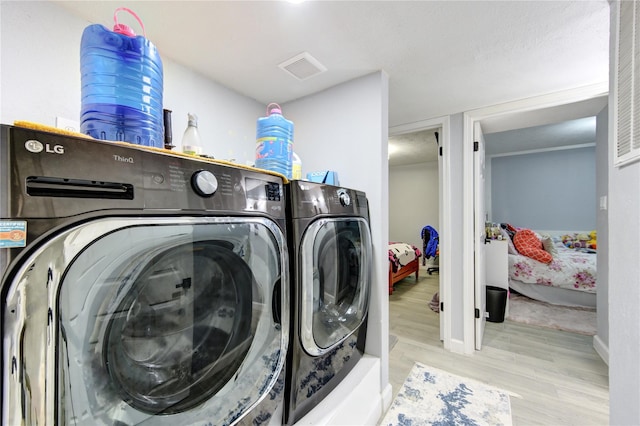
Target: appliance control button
<point>204,183</point>
<point>344,197</point>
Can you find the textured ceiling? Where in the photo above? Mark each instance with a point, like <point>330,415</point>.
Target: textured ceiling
<point>442,57</point>
<point>413,148</point>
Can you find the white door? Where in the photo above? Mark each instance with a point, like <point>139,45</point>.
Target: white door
<point>440,215</point>
<point>479,217</point>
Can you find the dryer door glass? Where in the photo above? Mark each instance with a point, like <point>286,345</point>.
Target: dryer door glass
<point>172,323</point>
<point>336,279</point>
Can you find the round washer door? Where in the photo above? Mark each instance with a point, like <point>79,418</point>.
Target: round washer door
<point>169,321</point>
<point>336,279</point>
<point>181,329</point>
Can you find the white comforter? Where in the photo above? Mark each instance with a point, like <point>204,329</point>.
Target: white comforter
<point>570,269</point>
<point>404,253</point>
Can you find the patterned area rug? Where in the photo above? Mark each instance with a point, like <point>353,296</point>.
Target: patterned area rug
<point>434,397</point>
<point>528,311</point>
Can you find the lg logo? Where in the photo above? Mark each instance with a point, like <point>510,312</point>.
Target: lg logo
<point>37,146</point>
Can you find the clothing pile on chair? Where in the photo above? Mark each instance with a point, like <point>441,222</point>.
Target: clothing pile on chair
<point>429,242</point>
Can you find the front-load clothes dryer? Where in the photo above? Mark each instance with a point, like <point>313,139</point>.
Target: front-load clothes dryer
<point>139,287</point>
<point>331,258</point>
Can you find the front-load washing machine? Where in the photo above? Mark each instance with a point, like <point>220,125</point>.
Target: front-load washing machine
<point>138,287</point>
<point>331,258</point>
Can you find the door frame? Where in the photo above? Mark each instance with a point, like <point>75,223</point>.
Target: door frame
<point>470,118</point>
<point>480,239</point>
<point>444,200</point>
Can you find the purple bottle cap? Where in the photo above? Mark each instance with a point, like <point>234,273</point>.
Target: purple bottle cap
<point>273,108</point>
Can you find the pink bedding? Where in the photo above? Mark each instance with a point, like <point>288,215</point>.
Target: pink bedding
<point>569,269</point>
<point>401,254</point>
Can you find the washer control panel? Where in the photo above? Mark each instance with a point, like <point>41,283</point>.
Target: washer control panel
<point>204,183</point>
<point>49,170</point>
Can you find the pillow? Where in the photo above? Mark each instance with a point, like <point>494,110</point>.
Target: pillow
<point>505,236</point>
<point>548,245</point>
<point>529,245</point>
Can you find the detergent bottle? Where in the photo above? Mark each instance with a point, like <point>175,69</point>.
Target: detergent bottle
<point>274,142</point>
<point>121,85</point>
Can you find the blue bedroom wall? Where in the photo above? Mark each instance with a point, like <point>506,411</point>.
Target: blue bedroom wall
<point>552,190</point>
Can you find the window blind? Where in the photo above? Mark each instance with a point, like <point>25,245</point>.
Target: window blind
<point>627,87</point>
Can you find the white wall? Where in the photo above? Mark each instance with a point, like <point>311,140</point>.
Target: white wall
<point>226,120</point>
<point>624,273</point>
<point>624,294</point>
<point>40,52</point>
<point>413,201</point>
<point>456,300</point>
<point>601,340</point>
<point>40,80</point>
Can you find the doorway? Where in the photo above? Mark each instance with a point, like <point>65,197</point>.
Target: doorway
<point>414,185</point>
<point>439,149</point>
<point>415,181</point>
<point>534,112</point>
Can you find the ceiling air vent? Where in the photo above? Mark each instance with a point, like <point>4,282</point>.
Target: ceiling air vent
<point>303,66</point>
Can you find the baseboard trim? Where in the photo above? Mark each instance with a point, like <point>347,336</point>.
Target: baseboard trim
<point>457,346</point>
<point>601,348</point>
<point>387,397</point>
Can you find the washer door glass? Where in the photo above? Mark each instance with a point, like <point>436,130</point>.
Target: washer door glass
<point>336,265</point>
<point>179,320</point>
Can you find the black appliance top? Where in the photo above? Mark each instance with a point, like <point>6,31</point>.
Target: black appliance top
<point>49,175</point>
<point>310,199</point>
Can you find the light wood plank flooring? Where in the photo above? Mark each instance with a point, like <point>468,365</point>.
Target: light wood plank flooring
<point>553,377</point>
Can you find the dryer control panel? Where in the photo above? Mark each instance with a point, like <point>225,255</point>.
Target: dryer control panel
<point>310,199</point>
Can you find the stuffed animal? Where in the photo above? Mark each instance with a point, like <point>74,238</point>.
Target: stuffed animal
<point>592,243</point>
<point>568,240</point>
<point>581,241</point>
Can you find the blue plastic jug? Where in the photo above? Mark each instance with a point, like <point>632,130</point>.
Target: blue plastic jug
<point>274,142</point>
<point>122,79</point>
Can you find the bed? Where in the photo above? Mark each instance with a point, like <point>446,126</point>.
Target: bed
<point>404,260</point>
<point>569,279</point>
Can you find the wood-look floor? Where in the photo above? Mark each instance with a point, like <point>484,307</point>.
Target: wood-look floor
<point>553,377</point>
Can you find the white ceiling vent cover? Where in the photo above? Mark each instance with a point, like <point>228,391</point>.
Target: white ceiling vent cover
<point>303,66</point>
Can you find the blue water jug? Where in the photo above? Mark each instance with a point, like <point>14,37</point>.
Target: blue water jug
<point>274,139</point>
<point>122,78</point>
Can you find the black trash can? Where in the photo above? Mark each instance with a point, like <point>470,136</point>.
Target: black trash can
<point>496,303</point>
